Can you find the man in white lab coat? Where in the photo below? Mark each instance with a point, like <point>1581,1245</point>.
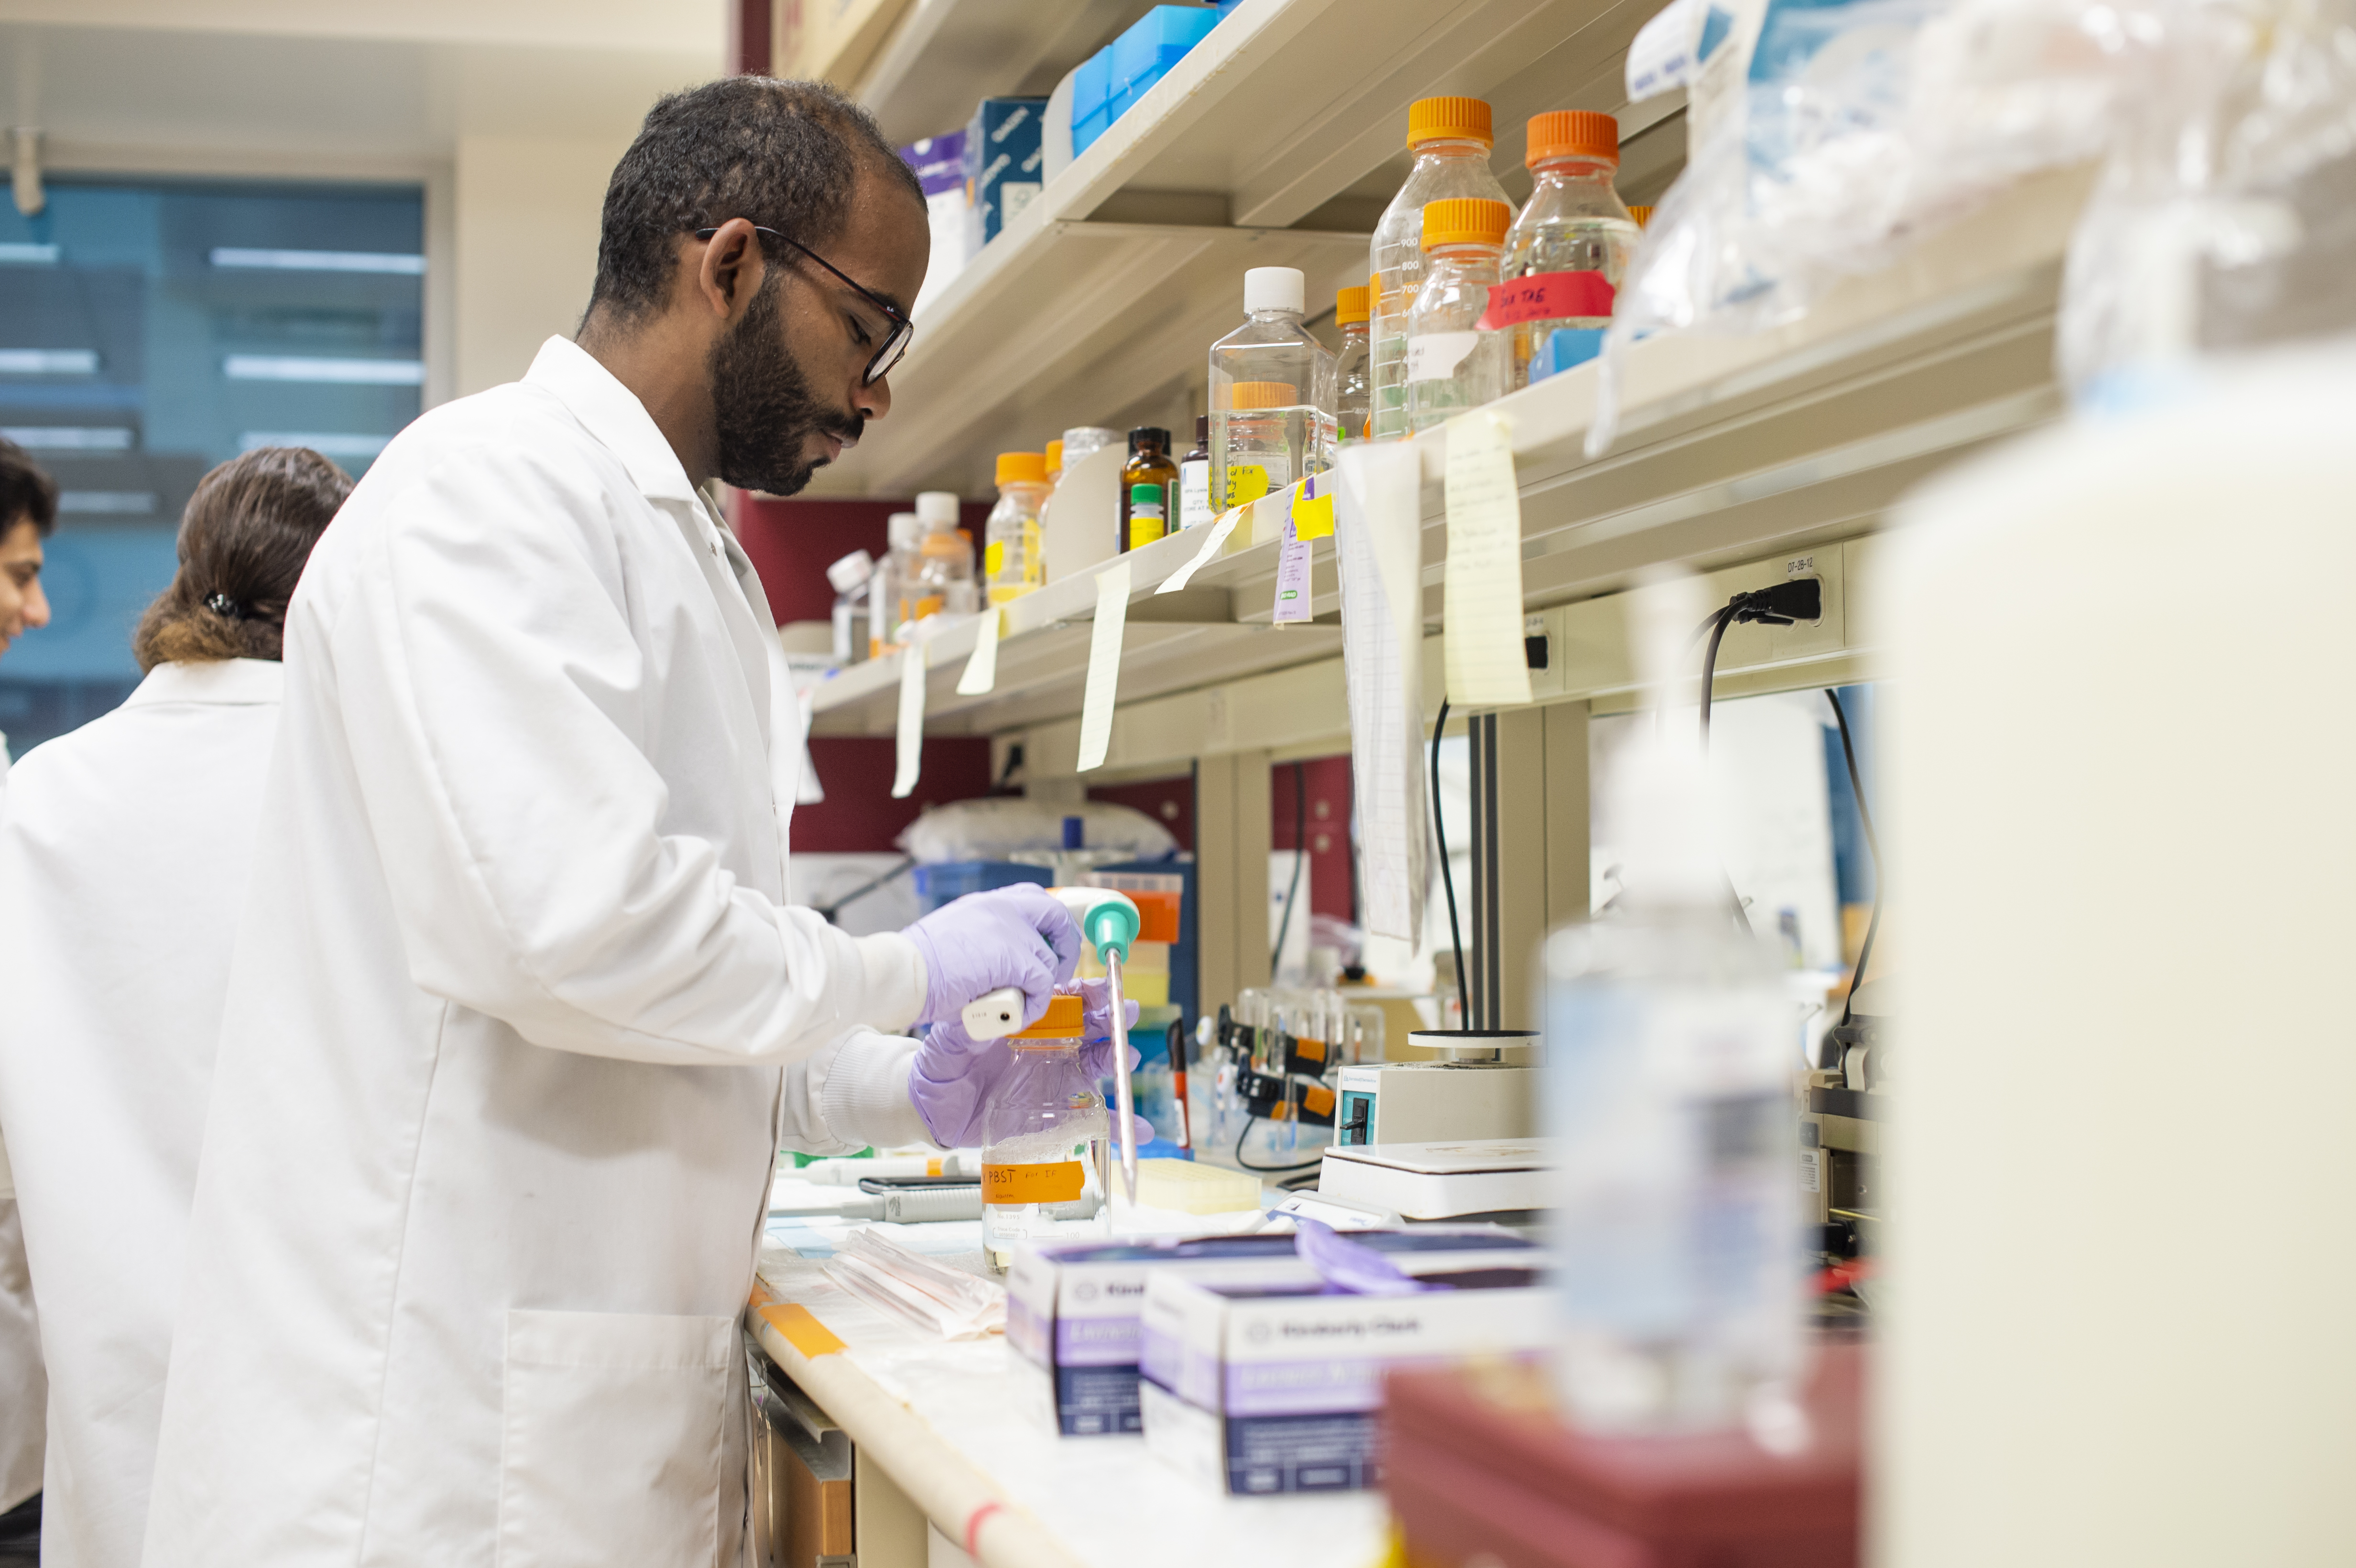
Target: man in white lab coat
<point>28,511</point>
<point>518,1016</point>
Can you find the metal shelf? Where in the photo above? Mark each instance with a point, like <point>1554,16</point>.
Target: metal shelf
<point>1731,448</point>
<point>1275,141</point>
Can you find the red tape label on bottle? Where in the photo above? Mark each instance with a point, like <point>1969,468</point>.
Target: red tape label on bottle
<point>1547,297</point>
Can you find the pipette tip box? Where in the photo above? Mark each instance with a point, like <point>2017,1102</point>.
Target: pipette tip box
<point>1073,1308</point>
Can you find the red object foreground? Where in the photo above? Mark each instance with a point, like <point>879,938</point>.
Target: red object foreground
<point>1478,1466</point>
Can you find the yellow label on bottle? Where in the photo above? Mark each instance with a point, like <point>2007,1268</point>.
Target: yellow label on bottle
<point>1057,1182</point>
<point>993,558</point>
<point>1247,481</point>
<point>1142,530</point>
<point>1034,562</point>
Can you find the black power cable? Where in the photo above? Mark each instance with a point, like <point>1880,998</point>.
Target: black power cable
<point>1873,844</point>
<point>1299,856</point>
<point>1782,604</point>
<point>1447,877</point>
<point>1264,1170</point>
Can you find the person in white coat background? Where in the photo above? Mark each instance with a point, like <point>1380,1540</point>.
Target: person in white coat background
<point>519,1015</point>
<point>28,511</point>
<point>123,860</point>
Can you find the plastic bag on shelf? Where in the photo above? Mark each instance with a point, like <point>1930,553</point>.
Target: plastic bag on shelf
<point>996,828</point>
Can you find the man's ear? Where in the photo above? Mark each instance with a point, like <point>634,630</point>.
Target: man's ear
<point>729,270</point>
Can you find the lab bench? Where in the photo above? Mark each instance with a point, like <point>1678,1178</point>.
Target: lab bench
<point>884,1442</point>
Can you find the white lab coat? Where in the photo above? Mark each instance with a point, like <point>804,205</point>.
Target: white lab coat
<point>122,868</point>
<point>23,1381</point>
<point>515,1022</point>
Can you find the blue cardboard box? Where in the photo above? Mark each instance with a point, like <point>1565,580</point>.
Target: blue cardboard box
<point>1004,161</point>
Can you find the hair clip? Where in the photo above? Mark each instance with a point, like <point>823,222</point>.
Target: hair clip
<point>223,604</point>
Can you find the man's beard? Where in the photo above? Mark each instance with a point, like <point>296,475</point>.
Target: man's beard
<point>763,412</point>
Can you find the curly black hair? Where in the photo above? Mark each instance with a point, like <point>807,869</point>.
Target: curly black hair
<point>784,154</point>
<point>27,495</point>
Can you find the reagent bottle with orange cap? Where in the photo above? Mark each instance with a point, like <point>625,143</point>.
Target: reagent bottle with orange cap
<point>1567,254</point>
<point>1455,358</point>
<point>1353,366</point>
<point>1450,139</point>
<point>1011,562</point>
<point>1039,1176</point>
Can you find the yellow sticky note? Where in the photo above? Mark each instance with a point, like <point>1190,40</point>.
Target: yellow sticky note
<point>1104,664</point>
<point>1245,481</point>
<point>1481,599</point>
<point>981,667</point>
<point>1312,517</point>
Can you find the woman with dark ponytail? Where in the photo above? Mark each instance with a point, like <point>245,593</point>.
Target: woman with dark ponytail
<point>124,863</point>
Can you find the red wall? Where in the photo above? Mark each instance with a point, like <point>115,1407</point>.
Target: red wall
<point>1328,779</point>
<point>790,543</point>
<point>1169,802</point>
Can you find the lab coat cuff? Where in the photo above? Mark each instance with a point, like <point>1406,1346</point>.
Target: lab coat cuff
<point>896,982</point>
<point>864,1098</point>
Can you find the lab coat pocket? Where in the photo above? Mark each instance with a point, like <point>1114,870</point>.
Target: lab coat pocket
<point>611,1442</point>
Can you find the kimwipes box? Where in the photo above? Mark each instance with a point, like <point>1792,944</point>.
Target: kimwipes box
<point>1071,1308</point>
<point>1270,1386</point>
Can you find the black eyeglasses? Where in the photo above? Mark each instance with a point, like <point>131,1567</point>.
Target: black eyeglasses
<point>895,341</point>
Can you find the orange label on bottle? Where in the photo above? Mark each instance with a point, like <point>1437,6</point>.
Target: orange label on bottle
<point>1057,1181</point>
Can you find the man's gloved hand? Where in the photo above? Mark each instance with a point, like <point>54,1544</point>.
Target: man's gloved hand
<point>954,1074</point>
<point>1016,936</point>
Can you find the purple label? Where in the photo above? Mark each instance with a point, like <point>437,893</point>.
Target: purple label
<point>1093,1341</point>
<point>1327,1387</point>
<point>1291,578</point>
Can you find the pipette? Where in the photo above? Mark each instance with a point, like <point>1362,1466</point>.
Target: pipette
<point>1107,918</point>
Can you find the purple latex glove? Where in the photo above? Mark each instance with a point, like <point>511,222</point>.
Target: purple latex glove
<point>1349,1268</point>
<point>951,1080</point>
<point>1016,936</point>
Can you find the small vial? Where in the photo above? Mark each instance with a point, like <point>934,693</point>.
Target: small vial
<point>1353,368</point>
<point>1194,478</point>
<point>1146,522</point>
<point>906,531</point>
<point>1012,564</point>
<point>1038,1166</point>
<point>1458,357</point>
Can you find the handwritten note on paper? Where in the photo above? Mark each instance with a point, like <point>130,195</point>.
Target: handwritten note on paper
<point>1378,543</point>
<point>981,666</point>
<point>1482,601</point>
<point>912,719</point>
<point>1211,548</point>
<point>1104,664</point>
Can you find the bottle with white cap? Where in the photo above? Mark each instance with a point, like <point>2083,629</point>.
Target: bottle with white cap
<point>883,624</point>
<point>850,578</point>
<point>1271,395</point>
<point>942,584</point>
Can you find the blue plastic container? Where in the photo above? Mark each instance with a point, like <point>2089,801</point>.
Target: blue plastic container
<point>1154,42</point>
<point>1091,95</point>
<point>952,879</point>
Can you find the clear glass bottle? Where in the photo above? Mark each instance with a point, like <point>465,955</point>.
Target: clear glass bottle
<point>1150,464</point>
<point>1456,358</point>
<point>850,578</point>
<point>1567,252</point>
<point>1450,139</point>
<point>1195,507</point>
<point>1012,564</point>
<point>1353,368</point>
<point>1271,395</point>
<point>1082,439</point>
<point>1670,1091</point>
<point>1039,1170</point>
<point>899,565</point>
<point>943,585</point>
